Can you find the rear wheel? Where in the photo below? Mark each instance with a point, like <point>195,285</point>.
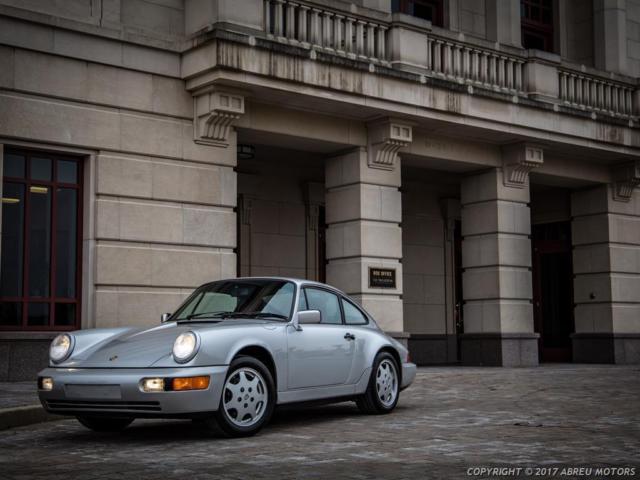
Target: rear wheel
<point>383,389</point>
<point>105,424</point>
<point>247,401</point>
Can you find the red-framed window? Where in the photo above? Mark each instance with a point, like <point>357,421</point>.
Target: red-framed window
<point>41,249</point>
<point>536,18</point>
<point>431,10</point>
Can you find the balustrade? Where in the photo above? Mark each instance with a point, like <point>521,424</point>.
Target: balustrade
<point>339,33</point>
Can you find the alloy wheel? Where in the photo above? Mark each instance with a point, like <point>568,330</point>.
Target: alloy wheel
<point>387,382</point>
<point>245,397</point>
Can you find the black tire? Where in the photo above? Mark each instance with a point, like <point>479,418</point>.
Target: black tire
<point>222,422</point>
<point>369,402</point>
<point>105,424</point>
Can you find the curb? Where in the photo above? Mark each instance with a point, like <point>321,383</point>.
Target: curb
<point>27,415</point>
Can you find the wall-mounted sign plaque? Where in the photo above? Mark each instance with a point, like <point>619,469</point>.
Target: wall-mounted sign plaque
<point>382,277</point>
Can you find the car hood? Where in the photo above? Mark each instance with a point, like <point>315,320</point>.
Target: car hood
<point>141,348</point>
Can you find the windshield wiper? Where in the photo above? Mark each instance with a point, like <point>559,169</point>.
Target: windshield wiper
<point>236,315</point>
<point>264,315</point>
<point>218,314</point>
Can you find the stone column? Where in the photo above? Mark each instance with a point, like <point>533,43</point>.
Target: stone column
<point>363,214</point>
<point>201,15</point>
<point>381,5</point>
<point>610,35</point>
<point>606,265</point>
<point>496,258</point>
<point>503,22</point>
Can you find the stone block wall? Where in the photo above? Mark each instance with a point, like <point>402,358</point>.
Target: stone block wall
<point>158,208</point>
<point>275,220</point>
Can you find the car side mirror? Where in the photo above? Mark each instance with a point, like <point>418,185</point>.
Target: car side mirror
<point>165,317</point>
<point>309,317</point>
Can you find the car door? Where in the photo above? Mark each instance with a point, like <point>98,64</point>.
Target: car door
<point>319,354</point>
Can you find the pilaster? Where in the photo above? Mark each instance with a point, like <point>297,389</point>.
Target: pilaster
<point>503,22</point>
<point>610,35</point>
<point>606,264</point>
<point>496,261</point>
<point>363,214</point>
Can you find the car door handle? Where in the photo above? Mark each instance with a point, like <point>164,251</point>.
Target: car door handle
<point>349,336</point>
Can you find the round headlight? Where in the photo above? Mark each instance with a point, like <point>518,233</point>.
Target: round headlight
<point>61,347</point>
<point>185,347</point>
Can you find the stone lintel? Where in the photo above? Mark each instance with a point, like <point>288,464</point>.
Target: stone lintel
<point>385,138</point>
<point>215,112</point>
<point>626,178</point>
<point>518,161</point>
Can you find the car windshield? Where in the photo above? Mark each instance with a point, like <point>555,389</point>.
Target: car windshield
<point>254,298</point>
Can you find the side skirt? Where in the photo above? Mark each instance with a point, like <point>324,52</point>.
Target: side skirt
<point>322,393</point>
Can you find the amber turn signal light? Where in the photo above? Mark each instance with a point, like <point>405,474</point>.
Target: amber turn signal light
<point>190,383</point>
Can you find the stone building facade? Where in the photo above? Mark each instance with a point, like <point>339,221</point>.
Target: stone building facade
<point>465,169</point>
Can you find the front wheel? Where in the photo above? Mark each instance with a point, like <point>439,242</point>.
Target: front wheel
<point>383,389</point>
<point>248,398</point>
<point>105,424</point>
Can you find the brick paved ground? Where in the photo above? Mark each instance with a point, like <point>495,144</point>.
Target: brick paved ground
<point>452,418</point>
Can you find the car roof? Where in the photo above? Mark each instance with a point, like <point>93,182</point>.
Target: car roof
<point>297,281</point>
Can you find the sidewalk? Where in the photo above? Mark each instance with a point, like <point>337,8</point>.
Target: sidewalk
<point>19,405</point>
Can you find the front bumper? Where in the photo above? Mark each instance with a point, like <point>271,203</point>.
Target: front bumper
<point>408,374</point>
<point>116,392</point>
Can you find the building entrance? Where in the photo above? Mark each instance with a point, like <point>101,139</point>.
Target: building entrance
<point>553,290</point>
<point>281,214</point>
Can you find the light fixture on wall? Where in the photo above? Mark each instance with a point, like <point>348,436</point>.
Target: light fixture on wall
<point>246,152</point>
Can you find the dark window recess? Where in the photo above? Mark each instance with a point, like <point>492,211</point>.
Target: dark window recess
<point>537,24</point>
<point>40,253</point>
<point>431,10</point>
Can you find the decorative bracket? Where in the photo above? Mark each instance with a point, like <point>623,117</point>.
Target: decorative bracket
<point>385,139</point>
<point>518,161</point>
<point>215,112</point>
<point>625,179</point>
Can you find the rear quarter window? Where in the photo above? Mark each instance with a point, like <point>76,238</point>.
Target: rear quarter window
<point>352,314</point>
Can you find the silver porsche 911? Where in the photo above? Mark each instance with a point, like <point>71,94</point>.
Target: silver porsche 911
<point>231,352</point>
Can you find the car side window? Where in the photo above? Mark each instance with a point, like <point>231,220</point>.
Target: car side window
<point>352,314</point>
<point>326,302</point>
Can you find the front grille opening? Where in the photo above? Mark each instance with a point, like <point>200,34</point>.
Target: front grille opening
<point>111,405</point>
